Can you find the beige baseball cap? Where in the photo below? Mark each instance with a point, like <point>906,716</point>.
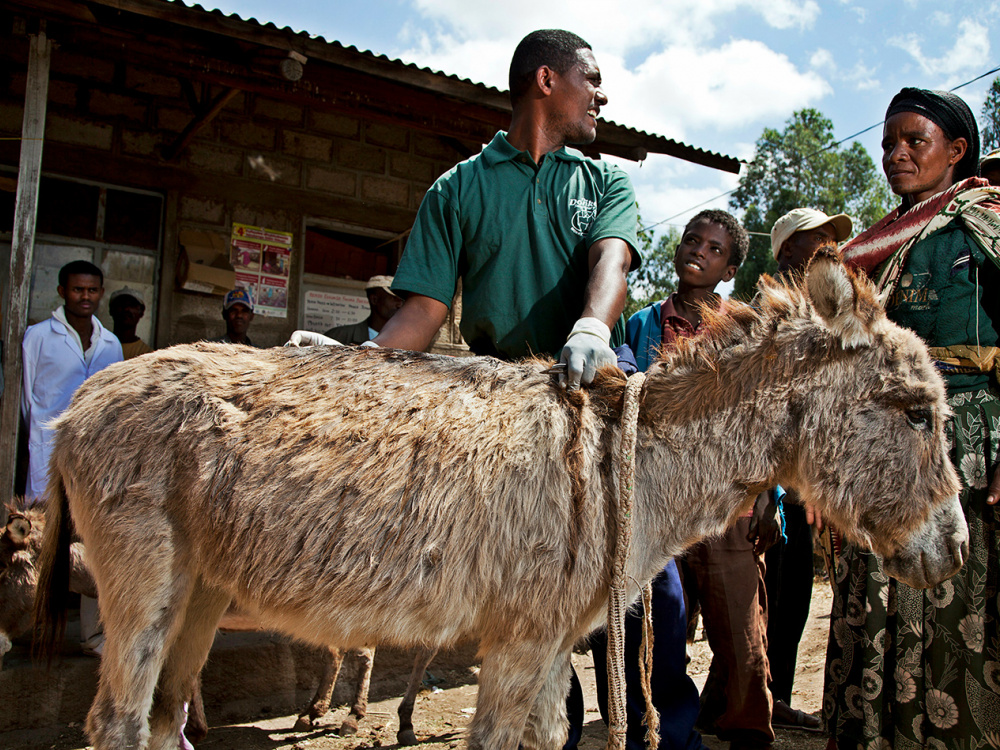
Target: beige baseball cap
<point>801,219</point>
<point>380,282</point>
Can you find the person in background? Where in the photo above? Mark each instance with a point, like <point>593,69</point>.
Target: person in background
<point>989,167</point>
<point>712,247</point>
<point>910,667</point>
<point>237,311</point>
<point>383,305</point>
<point>795,238</point>
<point>126,307</point>
<point>58,355</point>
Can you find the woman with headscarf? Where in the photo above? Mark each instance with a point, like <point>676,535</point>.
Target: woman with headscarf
<point>908,668</point>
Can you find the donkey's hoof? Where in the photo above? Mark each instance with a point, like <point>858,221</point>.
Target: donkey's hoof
<point>349,727</point>
<point>303,723</point>
<point>406,737</point>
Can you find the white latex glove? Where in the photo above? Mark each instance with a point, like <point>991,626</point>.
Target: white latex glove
<point>586,351</point>
<point>308,338</point>
<point>369,345</point>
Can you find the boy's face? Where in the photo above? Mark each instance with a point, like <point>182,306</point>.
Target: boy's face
<point>82,294</point>
<point>702,258</point>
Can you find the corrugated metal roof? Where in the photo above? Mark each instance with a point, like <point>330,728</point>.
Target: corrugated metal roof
<point>654,142</point>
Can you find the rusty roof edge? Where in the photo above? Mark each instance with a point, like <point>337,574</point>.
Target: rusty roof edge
<point>624,138</point>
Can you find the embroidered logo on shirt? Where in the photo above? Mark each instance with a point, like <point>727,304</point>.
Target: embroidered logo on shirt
<point>583,217</point>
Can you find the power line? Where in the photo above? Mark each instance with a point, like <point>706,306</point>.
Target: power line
<point>809,156</point>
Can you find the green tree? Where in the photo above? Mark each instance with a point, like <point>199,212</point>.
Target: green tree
<point>799,167</point>
<point>990,131</point>
<point>655,279</point>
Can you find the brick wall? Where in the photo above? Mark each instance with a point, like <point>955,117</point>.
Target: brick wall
<point>110,120</point>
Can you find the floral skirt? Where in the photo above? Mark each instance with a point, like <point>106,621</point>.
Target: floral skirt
<point>908,668</point>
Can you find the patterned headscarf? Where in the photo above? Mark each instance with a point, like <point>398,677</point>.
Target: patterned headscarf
<point>950,113</point>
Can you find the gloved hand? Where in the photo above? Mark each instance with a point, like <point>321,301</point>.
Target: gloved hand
<point>586,351</point>
<point>308,338</point>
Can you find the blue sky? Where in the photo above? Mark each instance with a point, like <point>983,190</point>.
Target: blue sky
<point>713,73</point>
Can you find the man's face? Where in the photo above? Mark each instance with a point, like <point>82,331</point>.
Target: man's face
<point>82,294</point>
<point>576,100</point>
<point>127,311</point>
<point>383,303</point>
<point>703,255</point>
<point>238,319</point>
<point>796,252</point>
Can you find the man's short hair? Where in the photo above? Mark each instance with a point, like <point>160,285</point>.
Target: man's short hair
<point>79,268</point>
<point>738,235</point>
<point>552,47</point>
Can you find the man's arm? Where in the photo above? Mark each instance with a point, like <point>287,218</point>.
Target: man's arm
<point>414,324</point>
<point>610,260</point>
<point>588,347</point>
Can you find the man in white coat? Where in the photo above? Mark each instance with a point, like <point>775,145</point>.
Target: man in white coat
<point>59,354</point>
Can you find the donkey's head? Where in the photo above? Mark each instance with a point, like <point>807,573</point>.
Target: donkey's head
<point>870,445</point>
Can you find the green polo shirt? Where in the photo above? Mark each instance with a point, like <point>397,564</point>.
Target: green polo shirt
<point>518,235</point>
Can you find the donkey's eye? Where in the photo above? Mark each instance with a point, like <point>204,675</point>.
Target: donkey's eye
<point>919,419</point>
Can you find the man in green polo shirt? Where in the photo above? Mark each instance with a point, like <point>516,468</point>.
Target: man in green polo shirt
<point>541,236</point>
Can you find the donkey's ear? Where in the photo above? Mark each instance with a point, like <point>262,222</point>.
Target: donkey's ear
<point>846,304</point>
<point>18,528</point>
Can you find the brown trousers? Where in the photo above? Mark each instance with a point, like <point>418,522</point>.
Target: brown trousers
<point>729,584</point>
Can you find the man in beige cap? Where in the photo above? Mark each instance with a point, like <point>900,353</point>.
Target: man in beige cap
<point>795,238</point>
<point>797,235</point>
<point>989,167</point>
<point>383,304</point>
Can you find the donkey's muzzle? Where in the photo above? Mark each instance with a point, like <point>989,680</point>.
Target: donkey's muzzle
<point>936,551</point>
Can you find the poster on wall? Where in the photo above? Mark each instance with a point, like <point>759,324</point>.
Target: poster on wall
<point>262,259</point>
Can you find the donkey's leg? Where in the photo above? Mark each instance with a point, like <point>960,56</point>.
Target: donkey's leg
<point>333,658</point>
<point>360,705</point>
<point>139,611</point>
<point>511,676</point>
<point>405,735</point>
<point>196,728</point>
<point>188,650</point>
<point>547,723</point>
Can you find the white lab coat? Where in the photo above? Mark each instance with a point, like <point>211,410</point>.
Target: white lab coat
<point>54,367</point>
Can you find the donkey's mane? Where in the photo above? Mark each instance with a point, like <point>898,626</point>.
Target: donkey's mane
<point>736,323</point>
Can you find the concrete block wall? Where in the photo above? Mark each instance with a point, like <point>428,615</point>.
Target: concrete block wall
<point>126,114</point>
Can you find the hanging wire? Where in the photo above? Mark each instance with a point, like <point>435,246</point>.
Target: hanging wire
<point>835,144</point>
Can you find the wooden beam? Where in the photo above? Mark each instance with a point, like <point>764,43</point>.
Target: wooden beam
<point>21,252</point>
<point>175,149</point>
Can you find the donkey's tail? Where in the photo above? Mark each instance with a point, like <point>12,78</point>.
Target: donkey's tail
<point>53,573</point>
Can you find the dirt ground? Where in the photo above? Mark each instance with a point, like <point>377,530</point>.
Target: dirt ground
<point>442,713</point>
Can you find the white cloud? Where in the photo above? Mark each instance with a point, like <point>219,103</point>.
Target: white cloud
<point>677,88</point>
<point>822,58</point>
<point>862,77</point>
<point>682,88</point>
<point>968,52</point>
<point>646,22</point>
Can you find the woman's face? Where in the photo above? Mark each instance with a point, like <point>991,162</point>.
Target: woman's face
<point>917,157</point>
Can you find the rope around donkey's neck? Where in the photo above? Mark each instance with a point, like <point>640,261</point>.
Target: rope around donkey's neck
<point>617,602</point>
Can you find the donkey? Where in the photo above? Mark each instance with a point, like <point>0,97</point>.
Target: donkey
<point>371,496</point>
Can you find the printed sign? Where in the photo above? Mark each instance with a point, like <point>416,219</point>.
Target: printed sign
<point>262,259</point>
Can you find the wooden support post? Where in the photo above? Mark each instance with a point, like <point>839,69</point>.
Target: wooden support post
<point>21,252</point>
